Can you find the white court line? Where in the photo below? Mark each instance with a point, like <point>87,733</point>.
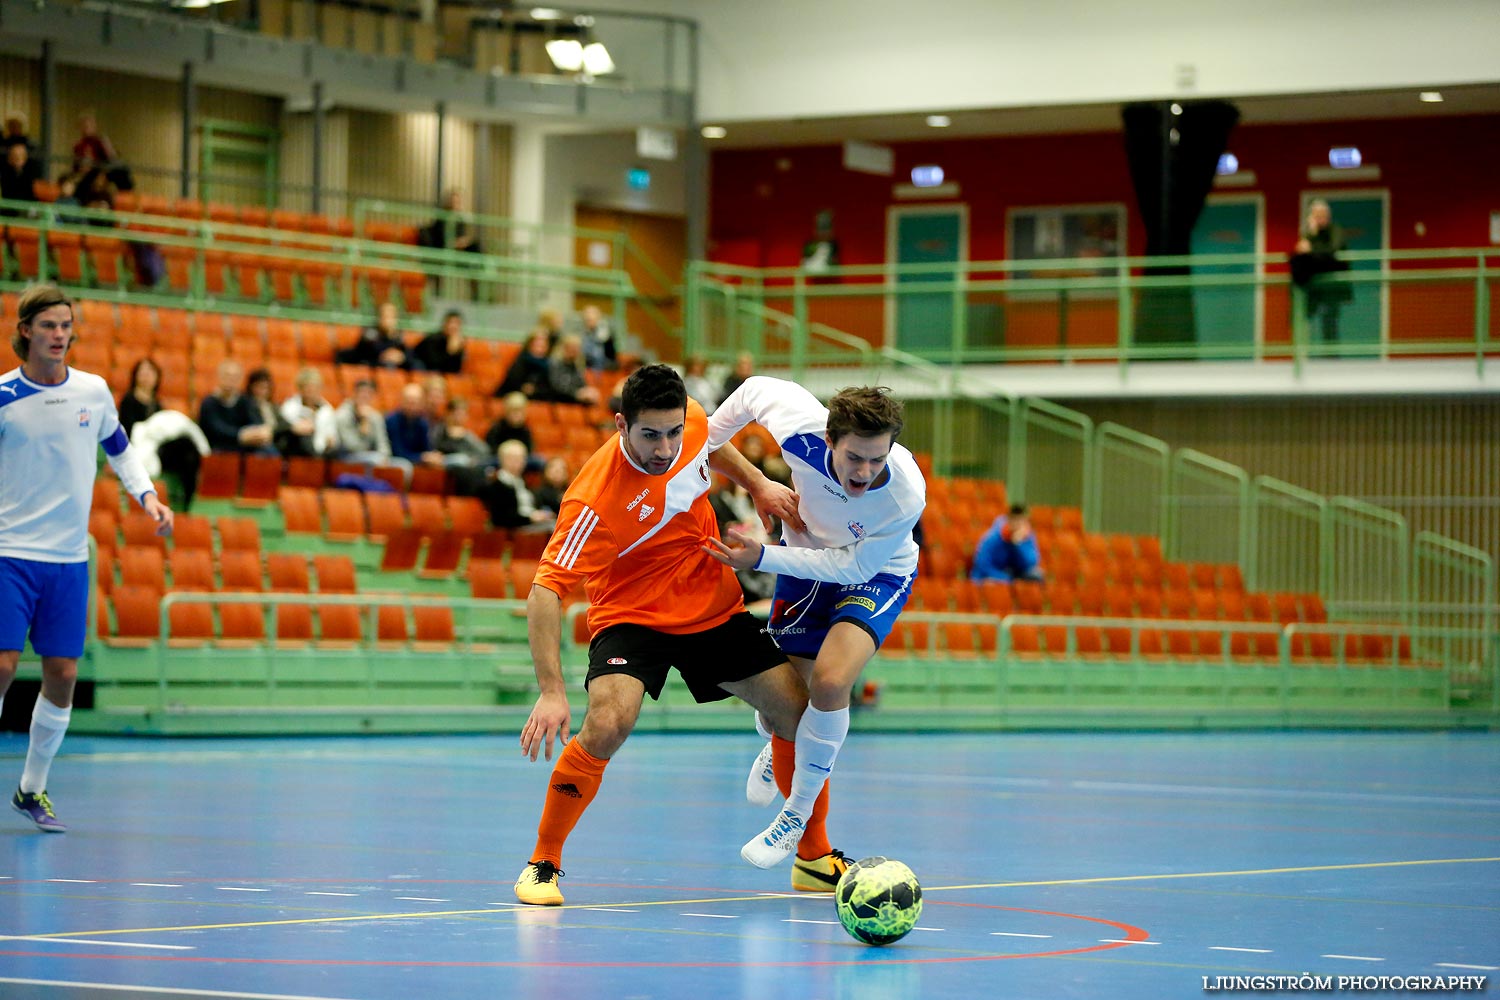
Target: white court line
<point>333,893</point>
<point>424,899</point>
<point>1017,934</point>
<point>607,909</point>
<point>1480,968</point>
<point>238,888</point>
<point>711,916</point>
<point>791,920</point>
<point>1249,951</point>
<point>106,944</point>
<point>76,881</point>
<point>158,885</point>
<point>1354,958</point>
<point>1124,941</point>
<point>159,990</point>
<point>929,928</point>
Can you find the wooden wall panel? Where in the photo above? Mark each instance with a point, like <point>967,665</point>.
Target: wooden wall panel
<point>1435,461</point>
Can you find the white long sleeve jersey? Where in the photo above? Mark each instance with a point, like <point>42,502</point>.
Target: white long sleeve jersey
<point>848,540</point>
<point>49,446</point>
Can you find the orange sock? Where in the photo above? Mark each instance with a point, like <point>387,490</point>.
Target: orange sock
<point>814,843</point>
<point>573,784</point>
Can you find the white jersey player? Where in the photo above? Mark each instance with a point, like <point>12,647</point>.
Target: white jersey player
<point>840,583</point>
<point>53,420</point>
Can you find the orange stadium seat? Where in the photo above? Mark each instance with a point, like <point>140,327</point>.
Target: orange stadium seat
<point>137,616</point>
<point>294,625</point>
<point>288,572</point>
<point>192,569</point>
<point>339,624</point>
<point>240,571</point>
<point>336,574</point>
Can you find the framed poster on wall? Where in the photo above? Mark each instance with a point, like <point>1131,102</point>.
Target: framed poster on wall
<point>1065,232</point>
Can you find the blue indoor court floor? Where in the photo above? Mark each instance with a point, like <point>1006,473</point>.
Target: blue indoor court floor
<point>1128,866</point>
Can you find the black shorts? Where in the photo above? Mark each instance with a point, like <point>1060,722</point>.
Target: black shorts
<point>739,648</point>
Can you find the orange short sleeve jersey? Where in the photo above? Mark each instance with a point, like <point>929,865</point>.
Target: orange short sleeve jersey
<point>636,539</point>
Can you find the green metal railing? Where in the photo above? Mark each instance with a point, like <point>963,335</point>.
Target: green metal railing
<point>1129,491</point>
<point>345,262</point>
<point>1430,303</point>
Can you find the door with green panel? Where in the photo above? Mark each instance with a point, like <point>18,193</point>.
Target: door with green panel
<point>1362,215</point>
<point>1228,316</point>
<point>922,322</point>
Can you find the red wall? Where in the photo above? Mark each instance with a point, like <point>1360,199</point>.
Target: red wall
<point>1440,171</point>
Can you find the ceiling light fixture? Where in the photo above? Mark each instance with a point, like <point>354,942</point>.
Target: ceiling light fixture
<point>939,121</point>
<point>1431,97</point>
<point>546,14</point>
<point>596,60</point>
<point>566,54</point>
<point>714,131</point>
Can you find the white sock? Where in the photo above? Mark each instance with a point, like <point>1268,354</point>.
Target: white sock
<point>820,735</point>
<point>760,726</point>
<point>48,726</point>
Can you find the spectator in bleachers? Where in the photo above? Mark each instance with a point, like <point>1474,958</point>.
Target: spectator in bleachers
<point>744,367</point>
<point>552,323</point>
<point>18,174</point>
<point>408,429</point>
<point>92,151</point>
<point>95,191</point>
<point>15,132</point>
<point>511,424</point>
<point>528,373</point>
<point>230,420</point>
<point>436,233</point>
<point>310,417</point>
<point>556,478</point>
<point>167,440</point>
<point>260,389</point>
<point>566,378</point>
<point>434,399</point>
<point>695,377</point>
<point>67,196</point>
<point>443,349</point>
<point>460,447</point>
<point>506,496</point>
<point>381,345</point>
<point>1008,550</point>
<point>361,429</point>
<point>599,351</point>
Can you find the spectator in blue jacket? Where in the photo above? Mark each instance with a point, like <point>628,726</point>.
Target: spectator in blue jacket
<point>1008,551</point>
<point>409,430</point>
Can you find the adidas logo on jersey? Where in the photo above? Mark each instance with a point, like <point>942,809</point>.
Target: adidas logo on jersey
<point>646,511</point>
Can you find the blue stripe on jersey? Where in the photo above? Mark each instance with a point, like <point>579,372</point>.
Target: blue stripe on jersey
<point>116,442</point>
<point>812,449</point>
<point>16,388</point>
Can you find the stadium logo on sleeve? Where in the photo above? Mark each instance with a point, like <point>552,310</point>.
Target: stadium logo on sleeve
<point>857,529</point>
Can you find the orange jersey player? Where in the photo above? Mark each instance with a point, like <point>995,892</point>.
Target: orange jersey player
<point>633,526</point>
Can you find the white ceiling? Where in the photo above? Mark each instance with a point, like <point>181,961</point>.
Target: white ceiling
<point>1471,100</point>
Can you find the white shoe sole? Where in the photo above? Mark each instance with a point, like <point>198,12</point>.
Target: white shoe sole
<point>760,787</point>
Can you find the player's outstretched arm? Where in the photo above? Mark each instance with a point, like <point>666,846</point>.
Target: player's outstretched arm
<point>771,498</point>
<point>550,716</point>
